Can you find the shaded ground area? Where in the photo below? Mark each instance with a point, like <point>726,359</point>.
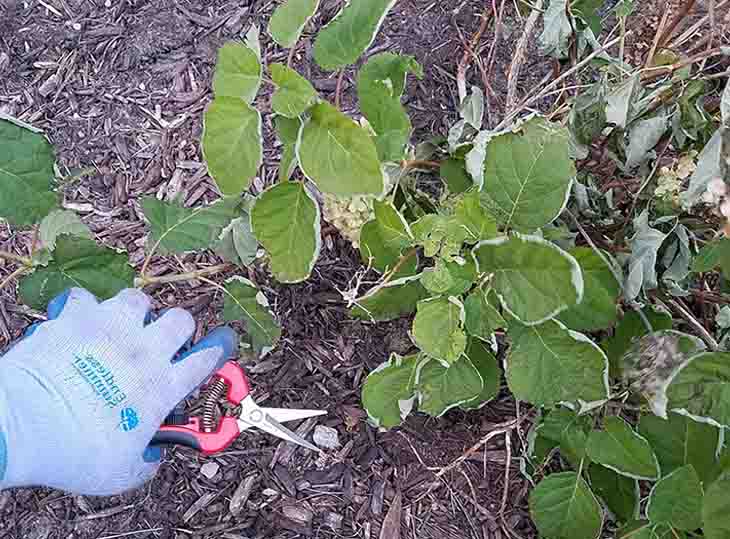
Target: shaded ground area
<point>120,87</point>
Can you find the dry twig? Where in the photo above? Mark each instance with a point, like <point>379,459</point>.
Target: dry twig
<point>519,56</point>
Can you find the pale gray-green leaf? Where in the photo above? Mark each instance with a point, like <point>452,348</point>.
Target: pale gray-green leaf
<point>725,105</point>
<point>472,109</point>
<point>441,388</point>
<point>535,280</point>
<point>678,441</point>
<point>643,136</point>
<point>60,222</point>
<point>350,33</point>
<point>285,220</point>
<point>528,175</point>
<point>677,500</point>
<point>388,393</point>
<point>437,328</point>
<point>701,390</point>
<point>619,101</point>
<point>232,143</point>
<point>556,29</point>
<point>563,507</point>
<point>710,165</point>
<point>26,174</point>
<point>237,243</point>
<point>548,364</point>
<point>450,278</point>
<point>294,94</point>
<point>621,449</point>
<point>338,155</point>
<point>289,20</point>
<point>597,310</point>
<point>77,262</point>
<point>237,72</point>
<point>645,246</point>
<point>179,229</point>
<point>243,301</point>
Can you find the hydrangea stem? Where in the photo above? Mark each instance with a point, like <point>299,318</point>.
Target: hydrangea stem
<point>16,258</point>
<point>145,280</point>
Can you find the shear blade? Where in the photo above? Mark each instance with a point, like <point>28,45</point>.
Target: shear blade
<point>269,420</point>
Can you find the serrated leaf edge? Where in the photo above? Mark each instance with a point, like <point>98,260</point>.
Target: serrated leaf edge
<point>662,478</point>
<point>417,379</point>
<point>632,476</point>
<point>299,30</point>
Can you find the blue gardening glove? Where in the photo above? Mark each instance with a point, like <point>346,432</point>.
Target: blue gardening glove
<point>82,396</point>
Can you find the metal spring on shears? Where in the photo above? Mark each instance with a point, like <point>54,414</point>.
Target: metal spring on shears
<point>212,397</point>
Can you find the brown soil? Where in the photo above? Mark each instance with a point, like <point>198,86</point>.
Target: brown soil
<point>120,86</point>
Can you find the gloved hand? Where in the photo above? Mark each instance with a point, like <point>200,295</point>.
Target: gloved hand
<point>82,396</point>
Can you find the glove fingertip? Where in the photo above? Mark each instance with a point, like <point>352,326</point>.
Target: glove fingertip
<point>56,305</point>
<point>224,338</point>
<point>152,454</point>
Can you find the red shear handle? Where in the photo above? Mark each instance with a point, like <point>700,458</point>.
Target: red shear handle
<point>238,387</point>
<point>191,435</point>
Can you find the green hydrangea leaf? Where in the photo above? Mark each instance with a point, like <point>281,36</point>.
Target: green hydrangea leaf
<point>470,213</point>
<point>528,175</point>
<point>677,500</point>
<point>557,30</point>
<point>294,94</point>
<point>701,390</point>
<point>597,310</point>
<point>642,529</point>
<point>384,238</point>
<point>289,19</point>
<point>441,388</point>
<point>392,301</point>
<point>620,493</point>
<point>26,174</point>
<point>563,507</point>
<point>548,364</point>
<point>287,130</point>
<point>232,143</point>
<point>716,509</point>
<point>482,316</point>
<point>678,441</point>
<point>450,278</point>
<point>440,235</point>
<point>437,328</point>
<point>388,393</point>
<point>568,431</point>
<point>237,72</point>
<point>653,361</point>
<point>350,33</point>
<point>178,229</point>
<point>453,173</point>
<point>713,255</point>
<point>338,155</point>
<point>535,279</point>
<point>621,449</point>
<point>243,301</point>
<point>380,85</point>
<point>486,364</point>
<point>285,219</point>
<point>237,244</point>
<point>78,262</point>
<point>60,222</point>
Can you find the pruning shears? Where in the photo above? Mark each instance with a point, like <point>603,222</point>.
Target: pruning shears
<point>209,435</point>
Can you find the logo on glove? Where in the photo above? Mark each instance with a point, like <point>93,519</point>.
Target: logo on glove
<point>130,419</point>
<point>100,379</point>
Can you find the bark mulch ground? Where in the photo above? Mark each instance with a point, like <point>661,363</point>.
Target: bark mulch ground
<point>120,87</point>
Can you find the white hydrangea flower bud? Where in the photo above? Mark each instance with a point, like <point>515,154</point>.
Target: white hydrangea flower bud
<point>725,208</point>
